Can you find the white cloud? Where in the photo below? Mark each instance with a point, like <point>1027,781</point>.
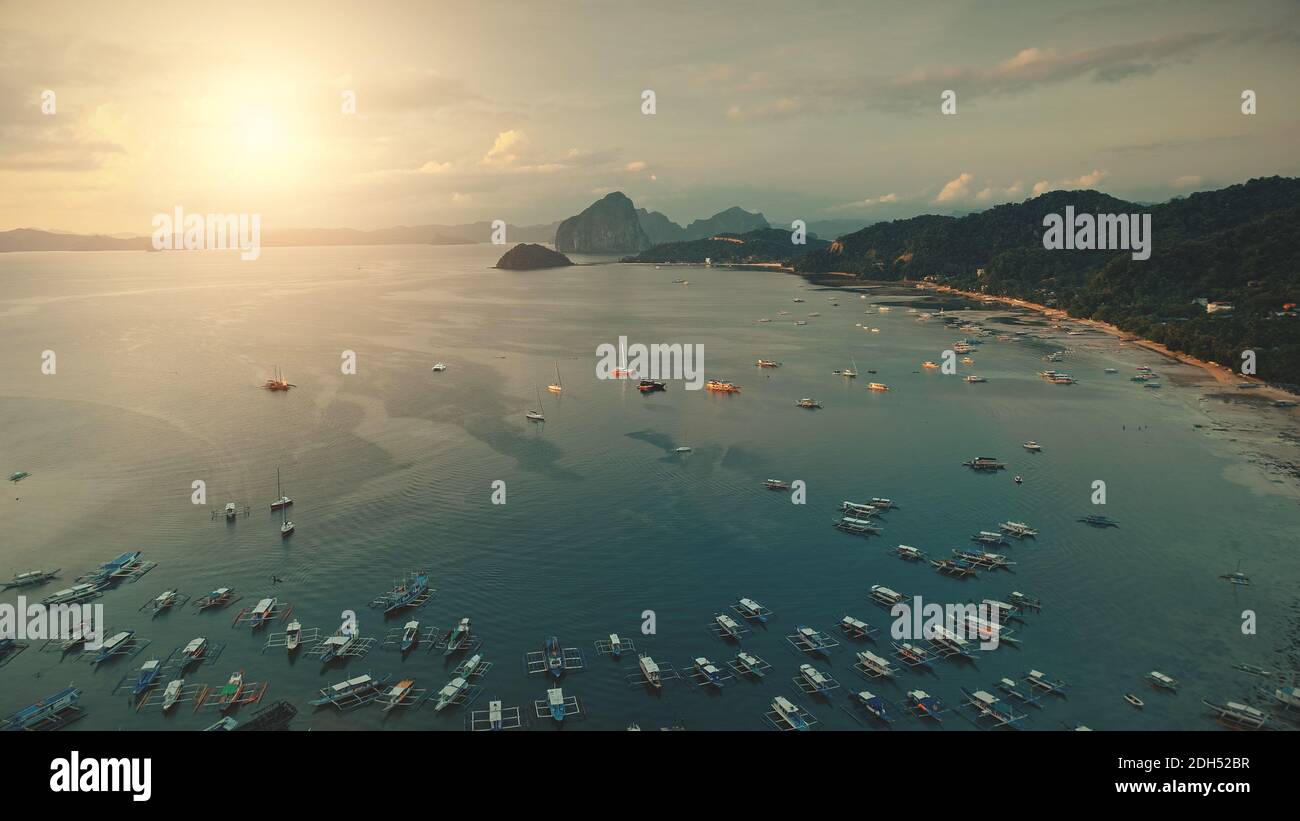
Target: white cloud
<point>635,166</point>
<point>1187,181</point>
<point>504,150</point>
<point>956,189</point>
<point>883,199</point>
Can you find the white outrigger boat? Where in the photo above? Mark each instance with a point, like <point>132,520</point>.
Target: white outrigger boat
<point>650,672</point>
<point>789,715</point>
<point>293,636</point>
<point>728,627</point>
<point>815,681</point>
<point>450,692</point>
<point>884,596</point>
<point>262,612</point>
<point>193,652</point>
<point>1162,681</point>
<point>708,672</point>
<point>172,694</point>
<point>874,666</point>
<point>1018,529</point>
<point>30,578</point>
<point>750,609</point>
<point>1235,714</point>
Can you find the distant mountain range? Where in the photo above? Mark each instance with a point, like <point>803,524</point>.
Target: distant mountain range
<point>615,209</point>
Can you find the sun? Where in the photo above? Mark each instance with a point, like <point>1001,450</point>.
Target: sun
<point>259,131</point>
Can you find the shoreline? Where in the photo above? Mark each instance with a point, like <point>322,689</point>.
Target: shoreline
<point>1222,375</point>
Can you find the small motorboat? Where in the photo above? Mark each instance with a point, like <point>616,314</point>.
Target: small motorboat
<point>1032,446</point>
<point>439,367</point>
<point>1134,700</point>
<point>1019,480</point>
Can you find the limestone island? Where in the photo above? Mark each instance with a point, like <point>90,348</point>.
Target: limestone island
<point>530,256</point>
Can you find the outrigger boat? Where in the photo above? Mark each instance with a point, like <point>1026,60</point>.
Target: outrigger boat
<point>50,712</point>
<point>650,671</point>
<point>112,646</point>
<point>776,484</point>
<point>398,694</point>
<point>353,692</point>
<point>1241,716</point>
<point>875,705</point>
<point>750,609</point>
<point>727,626</point>
<point>979,558</point>
<point>110,570</point>
<point>615,645</point>
<point>984,463</point>
<point>30,578</point>
<point>556,702</point>
<point>924,705</point>
<point>229,694</point>
<point>651,385</point>
<point>459,637</point>
<point>1254,670</point>
<point>708,672</point>
<point>750,663</point>
<point>885,597</point>
<point>293,636</point>
<point>217,598</point>
<point>856,526</point>
<point>262,612</point>
<point>147,677</point>
<point>72,595</point>
<point>874,666</point>
<point>231,512</point>
<point>1024,602</point>
<point>408,592</point>
<point>879,387</point>
<point>812,404</point>
<point>988,705</point>
<point>172,694</point>
<point>911,655</point>
<point>815,681</point>
<point>788,714</point>
<point>193,652</point>
<point>554,656</point>
<point>957,568</point>
<point>1009,687</point>
<point>449,693</point>
<point>908,553</point>
<point>984,537</point>
<point>1018,529</point>
<point>164,601</point>
<point>973,379</point>
<point>1237,577</point>
<point>812,640</point>
<point>1043,682</point>
<point>857,628</point>
<point>410,635</point>
<point>768,363</point>
<point>1162,681</point>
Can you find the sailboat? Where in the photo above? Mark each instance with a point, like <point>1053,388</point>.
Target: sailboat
<point>286,526</point>
<point>559,385</point>
<point>536,415</point>
<point>279,383</point>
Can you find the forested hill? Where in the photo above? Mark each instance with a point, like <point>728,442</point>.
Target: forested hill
<point>1237,245</point>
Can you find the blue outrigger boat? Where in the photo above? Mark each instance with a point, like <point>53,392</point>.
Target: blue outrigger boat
<point>107,571</point>
<point>50,712</point>
<point>554,656</point>
<point>410,635</point>
<point>458,638</point>
<point>405,594</point>
<point>875,705</point>
<point>148,677</point>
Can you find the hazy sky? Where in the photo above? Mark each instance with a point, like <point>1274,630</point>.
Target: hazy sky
<point>527,111</point>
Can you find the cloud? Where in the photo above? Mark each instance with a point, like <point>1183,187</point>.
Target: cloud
<point>432,167</point>
<point>635,166</point>
<point>883,199</point>
<point>503,154</point>
<point>1088,180</point>
<point>957,189</point>
<point>1187,181</point>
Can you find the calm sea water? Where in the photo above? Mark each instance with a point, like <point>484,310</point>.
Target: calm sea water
<point>158,361</point>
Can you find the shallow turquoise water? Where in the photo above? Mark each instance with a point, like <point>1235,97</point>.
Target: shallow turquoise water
<point>160,355</point>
